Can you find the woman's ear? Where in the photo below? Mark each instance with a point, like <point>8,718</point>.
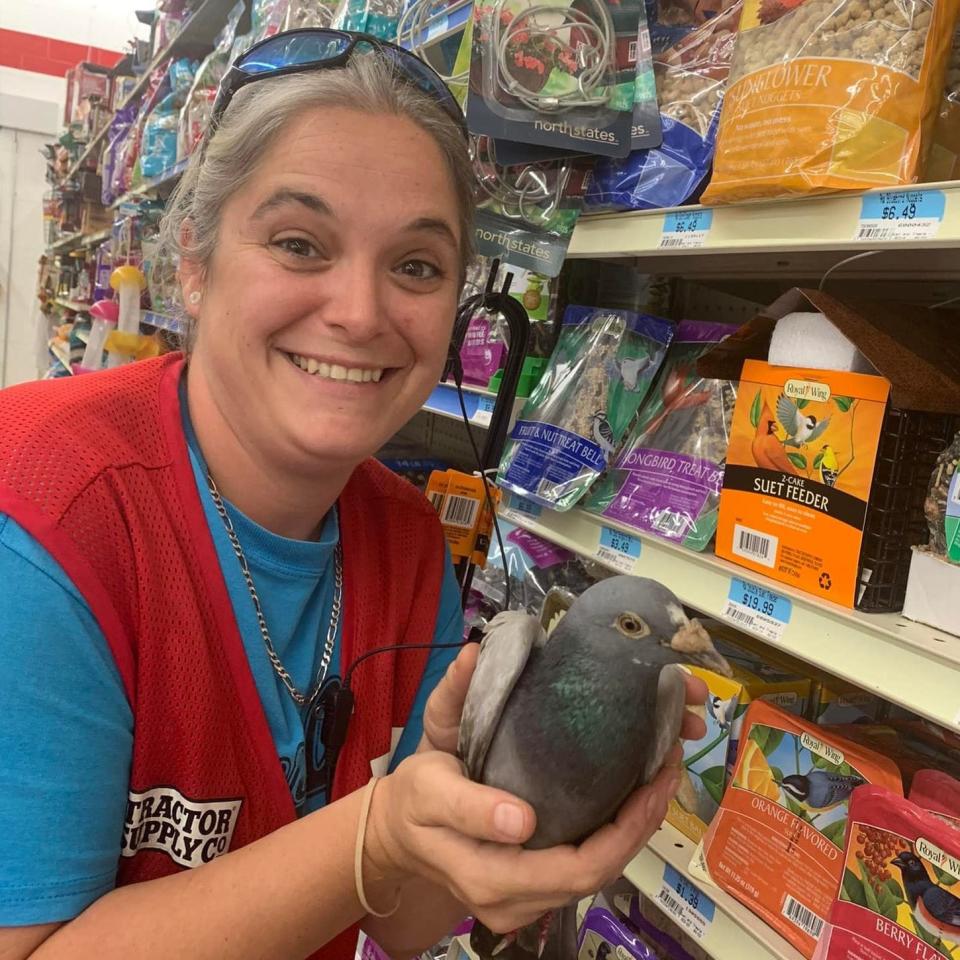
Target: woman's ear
<point>191,274</point>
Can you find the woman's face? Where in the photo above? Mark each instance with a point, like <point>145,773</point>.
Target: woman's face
<point>327,308</point>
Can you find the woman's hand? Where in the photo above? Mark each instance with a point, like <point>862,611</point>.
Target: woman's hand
<point>429,820</point>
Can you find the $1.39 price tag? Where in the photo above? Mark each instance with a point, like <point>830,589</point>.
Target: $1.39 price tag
<point>757,609</point>
<point>685,229</point>
<point>618,550</point>
<point>692,909</point>
<point>901,215</point>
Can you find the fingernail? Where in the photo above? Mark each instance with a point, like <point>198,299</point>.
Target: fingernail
<point>509,820</point>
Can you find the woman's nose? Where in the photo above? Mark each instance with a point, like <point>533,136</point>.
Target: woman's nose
<point>353,301</point>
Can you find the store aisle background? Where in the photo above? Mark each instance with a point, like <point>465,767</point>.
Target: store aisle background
<point>39,41</point>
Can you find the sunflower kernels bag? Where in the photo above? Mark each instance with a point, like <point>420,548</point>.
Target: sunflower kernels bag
<point>900,897</point>
<point>830,95</point>
<point>578,413</point>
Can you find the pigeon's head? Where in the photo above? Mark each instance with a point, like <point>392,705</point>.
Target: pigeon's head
<point>646,611</point>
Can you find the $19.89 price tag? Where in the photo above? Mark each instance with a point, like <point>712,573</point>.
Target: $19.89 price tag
<point>692,909</point>
<point>618,550</point>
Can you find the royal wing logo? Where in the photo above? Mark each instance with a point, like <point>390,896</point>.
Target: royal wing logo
<point>190,832</point>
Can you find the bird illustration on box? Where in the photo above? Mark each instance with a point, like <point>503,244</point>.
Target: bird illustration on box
<point>722,710</point>
<point>800,428</point>
<point>767,446</point>
<point>602,433</point>
<point>630,370</point>
<point>573,722</point>
<point>820,790</point>
<point>829,465</point>
<point>935,909</point>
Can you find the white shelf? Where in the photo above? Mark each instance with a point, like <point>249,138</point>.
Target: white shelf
<point>76,305</point>
<point>904,662</point>
<point>734,933</point>
<point>61,353</point>
<point>162,322</point>
<point>444,402</point>
<point>779,238</point>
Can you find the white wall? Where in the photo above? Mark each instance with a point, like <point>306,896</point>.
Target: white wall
<point>99,23</point>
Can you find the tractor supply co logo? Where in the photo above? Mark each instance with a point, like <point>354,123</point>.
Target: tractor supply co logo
<point>807,390</point>
<point>821,749</point>
<point>190,832</point>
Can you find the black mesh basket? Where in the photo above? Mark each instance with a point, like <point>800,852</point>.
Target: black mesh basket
<point>910,443</point>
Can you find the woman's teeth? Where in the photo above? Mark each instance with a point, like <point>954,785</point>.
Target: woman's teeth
<point>333,371</point>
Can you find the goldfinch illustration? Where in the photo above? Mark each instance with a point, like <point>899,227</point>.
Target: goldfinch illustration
<point>829,465</point>
<point>800,428</point>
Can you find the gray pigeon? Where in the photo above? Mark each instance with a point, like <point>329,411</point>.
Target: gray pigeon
<point>575,722</point>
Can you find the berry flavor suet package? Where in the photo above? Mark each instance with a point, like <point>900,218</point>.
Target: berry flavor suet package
<point>777,841</point>
<point>578,414</point>
<point>900,896</point>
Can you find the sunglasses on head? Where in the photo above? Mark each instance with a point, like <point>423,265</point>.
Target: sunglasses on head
<point>297,51</point>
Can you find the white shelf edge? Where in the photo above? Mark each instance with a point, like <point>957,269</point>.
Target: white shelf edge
<point>905,662</point>
<point>478,419</point>
<point>735,933</point>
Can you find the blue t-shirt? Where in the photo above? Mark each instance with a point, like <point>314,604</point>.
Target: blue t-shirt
<point>67,730</point>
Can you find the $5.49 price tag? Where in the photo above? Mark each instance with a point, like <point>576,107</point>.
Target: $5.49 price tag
<point>692,909</point>
<point>685,229</point>
<point>618,550</point>
<point>757,609</point>
<point>901,215</point>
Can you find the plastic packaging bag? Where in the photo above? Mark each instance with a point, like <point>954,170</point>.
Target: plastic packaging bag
<point>667,479</point>
<point>942,505</point>
<point>944,160</point>
<point>578,414</point>
<point>830,95</point>
<point>690,81</point>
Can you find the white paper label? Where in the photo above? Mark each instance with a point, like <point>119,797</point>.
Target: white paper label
<point>692,909</point>
<point>901,215</point>
<point>685,229</point>
<point>757,610</point>
<point>618,550</point>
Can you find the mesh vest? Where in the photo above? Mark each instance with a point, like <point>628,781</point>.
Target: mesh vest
<point>96,468</point>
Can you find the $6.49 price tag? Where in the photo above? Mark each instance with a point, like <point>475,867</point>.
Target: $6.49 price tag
<point>618,550</point>
<point>692,909</point>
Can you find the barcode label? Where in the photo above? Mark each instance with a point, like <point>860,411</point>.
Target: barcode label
<point>680,897</point>
<point>686,240</point>
<point>877,233</point>
<point>460,512</point>
<point>754,545</point>
<point>671,524</point>
<point>436,499</point>
<point>802,917</point>
<point>901,215</point>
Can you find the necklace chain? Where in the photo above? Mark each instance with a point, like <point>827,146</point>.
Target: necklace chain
<point>302,699</point>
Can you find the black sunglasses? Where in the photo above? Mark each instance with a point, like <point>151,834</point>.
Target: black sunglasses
<point>296,51</point>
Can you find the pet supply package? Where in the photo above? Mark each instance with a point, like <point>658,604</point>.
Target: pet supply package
<point>667,478</point>
<point>116,136</point>
<point>578,414</point>
<point>799,469</point>
<point>942,506</point>
<point>937,793</point>
<point>556,75</point>
<point>669,21</point>
<point>835,701</point>
<point>158,145</point>
<point>776,843</point>
<point>830,95</point>
<point>690,79</point>
<point>900,897</point>
<point>704,770</point>
<point>607,932</point>
<point>526,213</point>
<point>944,160</point>
<point>646,130</point>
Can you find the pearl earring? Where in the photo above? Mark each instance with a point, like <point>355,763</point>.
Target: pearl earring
<point>195,297</point>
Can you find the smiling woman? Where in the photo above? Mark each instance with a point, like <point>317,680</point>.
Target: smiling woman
<point>210,547</point>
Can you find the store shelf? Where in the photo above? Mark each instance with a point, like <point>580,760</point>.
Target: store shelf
<point>449,21</point>
<point>734,933</point>
<point>162,322</point>
<point>479,403</point>
<point>66,243</point>
<point>168,178</point>
<point>62,354</point>
<point>905,662</point>
<point>799,238</point>
<point>75,305</point>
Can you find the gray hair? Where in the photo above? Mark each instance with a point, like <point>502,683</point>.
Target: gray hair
<point>259,111</point>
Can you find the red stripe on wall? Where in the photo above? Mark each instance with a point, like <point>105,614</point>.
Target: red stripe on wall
<point>30,51</point>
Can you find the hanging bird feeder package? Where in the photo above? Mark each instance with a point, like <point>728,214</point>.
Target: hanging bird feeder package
<point>666,481</point>
<point>826,473</point>
<point>579,412</point>
<point>831,95</point>
<point>900,896</point>
<point>557,74</point>
<point>776,843</point>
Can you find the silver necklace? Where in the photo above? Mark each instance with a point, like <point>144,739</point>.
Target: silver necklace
<point>301,699</point>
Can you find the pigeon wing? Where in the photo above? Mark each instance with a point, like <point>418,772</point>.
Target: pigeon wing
<point>506,647</point>
<point>671,704</point>
<point>788,415</point>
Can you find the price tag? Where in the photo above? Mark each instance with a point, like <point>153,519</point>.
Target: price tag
<point>901,215</point>
<point>618,550</point>
<point>686,903</point>
<point>757,609</point>
<point>484,411</point>
<point>520,509</point>
<point>685,229</point>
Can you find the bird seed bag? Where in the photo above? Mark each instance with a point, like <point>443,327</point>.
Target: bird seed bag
<point>667,478</point>
<point>900,896</point>
<point>576,417</point>
<point>831,95</point>
<point>776,843</point>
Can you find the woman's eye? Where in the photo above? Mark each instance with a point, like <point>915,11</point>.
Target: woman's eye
<point>297,246</point>
<point>419,270</point>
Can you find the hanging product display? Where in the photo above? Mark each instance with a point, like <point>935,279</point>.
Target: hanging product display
<point>557,74</point>
<point>578,414</point>
<point>690,78</point>
<point>831,95</point>
<point>667,478</point>
<point>900,896</point>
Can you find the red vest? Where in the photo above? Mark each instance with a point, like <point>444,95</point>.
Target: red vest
<point>96,468</point>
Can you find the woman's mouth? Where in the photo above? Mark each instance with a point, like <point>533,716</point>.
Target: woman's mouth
<point>335,371</point>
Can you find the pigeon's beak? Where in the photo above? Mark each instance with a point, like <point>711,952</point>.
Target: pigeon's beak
<point>711,660</point>
<point>693,641</point>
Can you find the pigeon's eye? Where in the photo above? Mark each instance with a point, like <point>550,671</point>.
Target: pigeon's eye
<point>631,625</point>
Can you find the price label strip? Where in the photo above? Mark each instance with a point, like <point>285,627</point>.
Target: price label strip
<point>520,509</point>
<point>618,550</point>
<point>683,900</point>
<point>901,215</point>
<point>685,229</point>
<point>484,412</point>
<point>757,609</point>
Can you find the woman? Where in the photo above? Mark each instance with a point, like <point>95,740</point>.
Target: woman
<point>195,558</point>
